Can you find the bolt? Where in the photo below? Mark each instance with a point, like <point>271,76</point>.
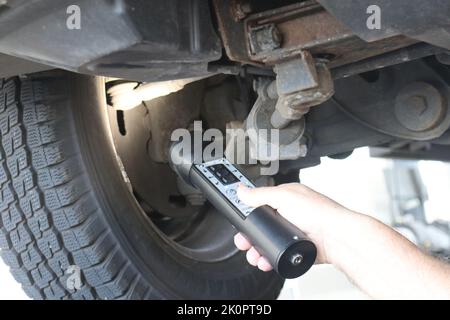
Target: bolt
<point>296,259</point>
<point>417,104</point>
<point>278,121</point>
<point>265,38</point>
<point>419,107</point>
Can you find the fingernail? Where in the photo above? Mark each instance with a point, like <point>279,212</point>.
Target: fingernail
<point>242,189</point>
<point>253,257</point>
<point>242,186</point>
<point>264,264</point>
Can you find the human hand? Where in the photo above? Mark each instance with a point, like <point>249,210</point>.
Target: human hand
<point>316,215</point>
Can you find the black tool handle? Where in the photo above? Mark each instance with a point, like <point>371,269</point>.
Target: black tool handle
<point>288,249</point>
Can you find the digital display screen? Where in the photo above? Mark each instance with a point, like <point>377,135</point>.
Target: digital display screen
<point>224,177</point>
<point>221,172</point>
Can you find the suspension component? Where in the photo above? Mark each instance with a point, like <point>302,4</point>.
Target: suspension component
<point>300,84</point>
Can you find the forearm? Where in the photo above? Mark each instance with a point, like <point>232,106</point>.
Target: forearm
<point>383,263</point>
<point>376,258</point>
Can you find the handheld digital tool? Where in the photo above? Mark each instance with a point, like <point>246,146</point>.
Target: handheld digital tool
<point>287,248</point>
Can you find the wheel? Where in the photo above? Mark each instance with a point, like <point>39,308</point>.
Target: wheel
<point>66,206</point>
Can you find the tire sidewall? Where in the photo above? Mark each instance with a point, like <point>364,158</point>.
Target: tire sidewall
<point>171,273</point>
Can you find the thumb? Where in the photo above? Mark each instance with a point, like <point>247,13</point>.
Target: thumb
<point>260,196</point>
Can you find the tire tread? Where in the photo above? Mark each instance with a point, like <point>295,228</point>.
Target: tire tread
<point>49,216</point>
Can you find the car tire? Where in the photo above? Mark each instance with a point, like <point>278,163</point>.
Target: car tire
<point>65,207</point>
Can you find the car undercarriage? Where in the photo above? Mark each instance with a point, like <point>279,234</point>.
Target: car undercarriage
<point>330,76</point>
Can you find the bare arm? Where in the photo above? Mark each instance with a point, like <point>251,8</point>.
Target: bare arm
<point>380,261</point>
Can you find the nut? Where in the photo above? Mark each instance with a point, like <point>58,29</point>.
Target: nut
<point>419,107</point>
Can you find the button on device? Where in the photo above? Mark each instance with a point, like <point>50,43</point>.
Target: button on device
<point>229,178</point>
<point>231,192</point>
<point>223,174</point>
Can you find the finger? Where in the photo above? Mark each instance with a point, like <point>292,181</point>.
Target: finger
<point>253,256</point>
<point>264,265</point>
<point>257,197</point>
<point>241,242</point>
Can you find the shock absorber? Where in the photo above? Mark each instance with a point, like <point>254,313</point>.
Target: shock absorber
<point>287,248</point>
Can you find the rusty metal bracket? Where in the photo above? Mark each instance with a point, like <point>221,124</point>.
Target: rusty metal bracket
<point>281,104</point>
<point>301,84</point>
<point>273,36</point>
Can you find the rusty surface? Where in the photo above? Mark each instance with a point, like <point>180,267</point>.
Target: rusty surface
<point>232,32</point>
<point>303,26</point>
<point>354,50</point>
<point>240,9</point>
<point>312,29</point>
